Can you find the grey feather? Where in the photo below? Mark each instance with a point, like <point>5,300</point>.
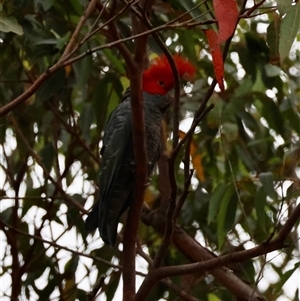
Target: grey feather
<point>117,170</point>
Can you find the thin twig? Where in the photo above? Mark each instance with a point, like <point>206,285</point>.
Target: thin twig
<point>157,274</point>
<point>46,172</point>
<point>88,11</point>
<point>58,246</point>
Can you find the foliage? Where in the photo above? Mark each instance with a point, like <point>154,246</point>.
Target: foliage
<point>245,150</point>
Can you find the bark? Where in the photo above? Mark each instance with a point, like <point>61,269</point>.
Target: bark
<point>197,253</point>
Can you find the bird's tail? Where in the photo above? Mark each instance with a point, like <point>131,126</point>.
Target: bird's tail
<point>106,224</point>
<point>92,221</point>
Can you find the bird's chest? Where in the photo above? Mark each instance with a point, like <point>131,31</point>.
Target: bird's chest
<point>152,138</point>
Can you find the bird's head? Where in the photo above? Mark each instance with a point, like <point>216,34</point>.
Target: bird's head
<point>158,78</point>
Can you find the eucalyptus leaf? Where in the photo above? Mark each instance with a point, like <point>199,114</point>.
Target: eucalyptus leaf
<point>267,180</point>
<point>290,26</point>
<point>9,24</point>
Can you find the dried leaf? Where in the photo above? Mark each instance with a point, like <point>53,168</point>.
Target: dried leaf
<point>227,16</point>
<point>213,42</point>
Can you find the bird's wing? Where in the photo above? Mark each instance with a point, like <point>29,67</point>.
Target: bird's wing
<point>116,140</point>
<point>118,131</point>
<point>117,168</point>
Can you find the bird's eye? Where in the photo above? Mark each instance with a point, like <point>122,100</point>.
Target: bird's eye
<point>161,83</point>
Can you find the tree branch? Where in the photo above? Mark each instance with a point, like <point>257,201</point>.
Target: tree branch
<point>213,263</point>
<point>139,142</point>
<point>71,45</point>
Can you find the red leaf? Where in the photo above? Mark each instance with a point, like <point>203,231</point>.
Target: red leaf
<point>213,42</point>
<point>227,16</point>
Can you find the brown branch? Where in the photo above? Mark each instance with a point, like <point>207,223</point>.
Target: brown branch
<point>135,69</point>
<point>196,253</point>
<point>131,226</point>
<point>167,282</point>
<point>170,221</point>
<point>288,226</point>
<point>210,263</point>
<point>240,256</point>
<point>173,194</point>
<point>187,172</point>
<point>249,11</point>
<point>72,43</point>
<point>124,51</point>
<point>108,20</point>
<point>188,12</point>
<point>30,91</point>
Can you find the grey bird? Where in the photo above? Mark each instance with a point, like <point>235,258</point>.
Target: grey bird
<point>118,167</point>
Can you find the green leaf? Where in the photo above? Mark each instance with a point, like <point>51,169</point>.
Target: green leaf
<point>83,68</point>
<point>100,99</point>
<point>271,112</point>
<point>247,61</point>
<point>5,215</point>
<point>71,267</point>
<point>285,277</point>
<point>116,62</point>
<point>292,192</point>
<point>230,131</point>
<point>73,217</point>
<point>283,6</point>
<point>78,6</point>
<point>215,201</point>
<point>86,120</point>
<point>243,89</point>
<point>288,30</point>
<point>273,34</point>
<point>69,292</point>
<point>267,181</point>
<point>51,86</point>
<point>114,280</point>
<point>47,155</point>
<point>226,214</point>
<point>245,156</point>
<point>260,203</point>
<point>289,112</point>
<point>42,5</point>
<point>27,202</point>
<point>213,297</point>
<point>8,24</point>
